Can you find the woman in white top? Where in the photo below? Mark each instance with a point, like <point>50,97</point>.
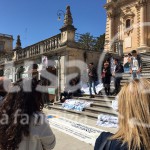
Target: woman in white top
<point>23,126</point>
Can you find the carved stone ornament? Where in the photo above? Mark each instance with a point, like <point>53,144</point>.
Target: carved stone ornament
<point>128,15</point>
<point>110,14</point>
<point>140,3</point>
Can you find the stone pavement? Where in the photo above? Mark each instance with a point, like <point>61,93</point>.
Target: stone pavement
<point>67,142</point>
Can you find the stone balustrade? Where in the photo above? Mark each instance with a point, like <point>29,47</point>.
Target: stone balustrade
<point>39,48</point>
<point>6,35</point>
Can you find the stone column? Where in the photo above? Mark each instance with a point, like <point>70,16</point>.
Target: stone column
<point>111,32</point>
<point>143,28</point>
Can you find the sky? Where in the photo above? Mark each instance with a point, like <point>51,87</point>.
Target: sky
<point>36,20</point>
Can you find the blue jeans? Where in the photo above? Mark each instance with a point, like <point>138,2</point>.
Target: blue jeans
<point>126,70</point>
<point>92,83</point>
<point>136,75</point>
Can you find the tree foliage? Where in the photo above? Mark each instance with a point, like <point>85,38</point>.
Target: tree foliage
<point>99,45</point>
<point>87,41</point>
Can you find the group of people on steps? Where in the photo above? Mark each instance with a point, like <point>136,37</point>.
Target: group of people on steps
<point>114,69</point>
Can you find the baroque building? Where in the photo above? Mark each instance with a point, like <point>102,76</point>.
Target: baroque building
<point>127,26</point>
<point>60,49</point>
<point>6,46</point>
<point>6,42</point>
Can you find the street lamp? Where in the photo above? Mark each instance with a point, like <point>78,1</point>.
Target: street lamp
<point>59,14</point>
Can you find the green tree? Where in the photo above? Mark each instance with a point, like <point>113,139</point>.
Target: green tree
<point>99,46</point>
<point>87,41</point>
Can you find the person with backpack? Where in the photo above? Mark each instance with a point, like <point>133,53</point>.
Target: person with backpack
<point>133,112</point>
<point>135,65</point>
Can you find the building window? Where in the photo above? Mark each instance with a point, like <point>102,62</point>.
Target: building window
<point>1,45</point>
<point>128,23</point>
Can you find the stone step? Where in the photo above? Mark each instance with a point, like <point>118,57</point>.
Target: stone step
<point>146,64</point>
<point>93,105</point>
<point>130,78</point>
<point>145,67</point>
<point>125,80</point>
<point>101,110</point>
<point>88,114</point>
<point>144,75</point>
<point>145,54</point>
<point>146,59</point>
<point>146,70</point>
<point>97,99</point>
<point>122,84</point>
<point>102,105</point>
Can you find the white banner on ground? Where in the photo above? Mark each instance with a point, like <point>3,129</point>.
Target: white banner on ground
<point>107,121</point>
<point>78,130</point>
<point>77,105</point>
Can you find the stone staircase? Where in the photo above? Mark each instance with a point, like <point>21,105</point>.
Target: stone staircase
<point>101,103</point>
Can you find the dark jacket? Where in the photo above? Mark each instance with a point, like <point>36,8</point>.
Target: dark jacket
<point>106,77</point>
<point>139,59</point>
<point>119,71</point>
<point>92,74</point>
<point>115,144</point>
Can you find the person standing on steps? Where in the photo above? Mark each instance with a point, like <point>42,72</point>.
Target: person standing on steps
<point>117,74</point>
<point>92,74</point>
<point>106,77</point>
<point>127,61</point>
<point>135,65</point>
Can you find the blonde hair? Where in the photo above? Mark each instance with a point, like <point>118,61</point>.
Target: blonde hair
<point>134,115</point>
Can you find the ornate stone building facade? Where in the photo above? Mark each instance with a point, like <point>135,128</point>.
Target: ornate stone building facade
<point>128,25</point>
<point>61,49</point>
<point>6,42</point>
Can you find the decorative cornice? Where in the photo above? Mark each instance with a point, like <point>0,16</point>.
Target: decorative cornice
<point>127,13</point>
<point>140,3</point>
<point>110,14</point>
<point>109,5</point>
<point>120,3</point>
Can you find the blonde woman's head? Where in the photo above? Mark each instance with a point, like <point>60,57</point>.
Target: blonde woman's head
<point>134,114</point>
